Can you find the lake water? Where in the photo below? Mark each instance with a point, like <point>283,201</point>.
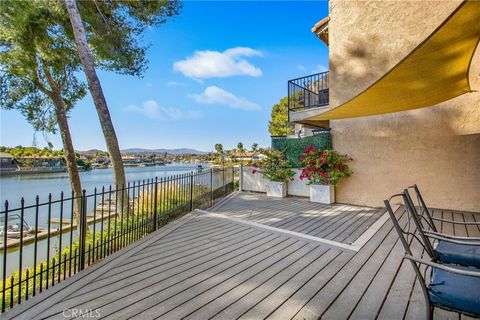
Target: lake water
<point>28,186</point>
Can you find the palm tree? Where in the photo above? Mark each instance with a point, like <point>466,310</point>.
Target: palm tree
<point>241,149</point>
<point>97,93</point>
<point>231,154</point>
<point>219,150</point>
<point>254,146</point>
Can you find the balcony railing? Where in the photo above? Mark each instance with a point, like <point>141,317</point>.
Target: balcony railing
<point>41,245</point>
<point>308,92</point>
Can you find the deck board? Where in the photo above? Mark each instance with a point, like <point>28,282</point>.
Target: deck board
<point>120,278</point>
<point>158,304</point>
<point>210,267</point>
<point>299,215</point>
<point>272,272</point>
<point>276,298</point>
<point>352,271</point>
<point>136,283</point>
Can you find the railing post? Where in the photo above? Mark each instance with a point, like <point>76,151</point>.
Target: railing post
<point>82,230</point>
<point>233,179</point>
<point>288,102</point>
<point>191,191</point>
<point>155,205</point>
<point>211,187</point>
<point>4,268</point>
<point>223,179</point>
<point>240,177</point>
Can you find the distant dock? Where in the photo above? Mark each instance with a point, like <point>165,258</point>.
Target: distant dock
<point>43,233</point>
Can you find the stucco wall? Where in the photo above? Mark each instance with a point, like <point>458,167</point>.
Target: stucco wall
<point>437,147</point>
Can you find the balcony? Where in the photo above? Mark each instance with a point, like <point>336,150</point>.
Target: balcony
<point>307,96</point>
<point>253,257</point>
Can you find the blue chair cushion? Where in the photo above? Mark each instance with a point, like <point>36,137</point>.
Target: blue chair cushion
<point>455,291</point>
<point>462,254</point>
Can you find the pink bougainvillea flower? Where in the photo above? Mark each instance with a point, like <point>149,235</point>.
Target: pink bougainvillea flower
<point>309,149</point>
<point>254,171</point>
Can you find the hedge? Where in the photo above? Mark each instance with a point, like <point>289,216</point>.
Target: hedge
<point>293,147</point>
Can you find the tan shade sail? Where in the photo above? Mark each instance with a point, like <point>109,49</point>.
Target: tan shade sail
<point>436,71</point>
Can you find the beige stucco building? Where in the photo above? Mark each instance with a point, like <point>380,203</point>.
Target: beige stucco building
<point>438,147</point>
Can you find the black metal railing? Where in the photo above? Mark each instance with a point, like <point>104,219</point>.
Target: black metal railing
<point>41,244</point>
<point>308,92</point>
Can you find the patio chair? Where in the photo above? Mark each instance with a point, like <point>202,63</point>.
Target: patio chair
<point>425,212</point>
<point>447,287</point>
<point>443,247</point>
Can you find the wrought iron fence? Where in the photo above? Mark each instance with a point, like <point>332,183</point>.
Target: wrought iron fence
<point>308,92</point>
<point>46,242</point>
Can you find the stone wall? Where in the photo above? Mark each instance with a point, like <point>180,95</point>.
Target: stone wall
<point>438,147</point>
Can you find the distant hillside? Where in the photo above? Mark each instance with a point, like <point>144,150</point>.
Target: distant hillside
<point>169,151</point>
<point>91,151</point>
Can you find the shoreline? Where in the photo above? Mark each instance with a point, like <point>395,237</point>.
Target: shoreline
<point>32,171</point>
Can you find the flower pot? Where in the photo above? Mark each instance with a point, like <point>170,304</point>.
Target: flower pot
<point>322,193</point>
<point>276,189</point>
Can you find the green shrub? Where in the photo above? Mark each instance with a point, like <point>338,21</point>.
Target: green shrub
<point>293,148</point>
<point>275,167</point>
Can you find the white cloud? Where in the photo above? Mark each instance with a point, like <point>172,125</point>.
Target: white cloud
<point>152,110</point>
<point>320,68</point>
<point>214,64</point>
<point>175,84</point>
<point>216,95</point>
<point>301,67</point>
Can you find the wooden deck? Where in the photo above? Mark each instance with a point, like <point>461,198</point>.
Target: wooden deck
<point>337,222</point>
<point>236,261</point>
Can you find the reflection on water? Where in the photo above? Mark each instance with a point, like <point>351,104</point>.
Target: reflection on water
<point>13,188</point>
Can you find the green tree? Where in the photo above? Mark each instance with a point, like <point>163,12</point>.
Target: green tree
<point>111,29</point>
<point>254,146</point>
<point>240,148</point>
<point>37,71</point>
<point>220,151</point>
<point>219,148</point>
<point>278,124</point>
<point>231,154</point>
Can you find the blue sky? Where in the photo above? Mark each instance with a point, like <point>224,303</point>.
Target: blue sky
<point>214,73</point>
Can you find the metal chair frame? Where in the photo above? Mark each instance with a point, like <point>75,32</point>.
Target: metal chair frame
<point>406,237</point>
<point>428,216</point>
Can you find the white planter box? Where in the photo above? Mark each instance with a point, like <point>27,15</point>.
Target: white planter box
<point>276,189</point>
<point>322,193</point>
<point>298,187</point>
